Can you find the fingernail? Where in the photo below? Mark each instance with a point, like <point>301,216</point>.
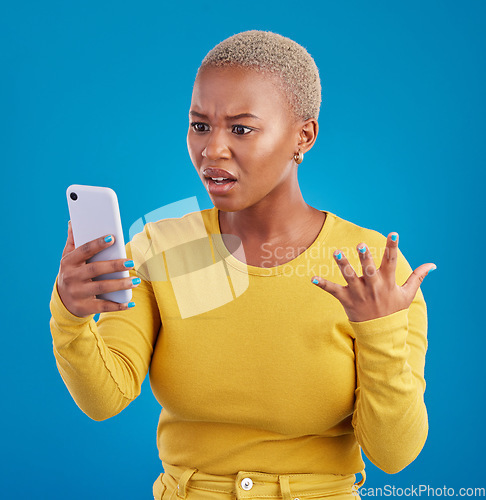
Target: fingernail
<point>432,269</point>
<point>136,281</point>
<point>363,249</point>
<point>394,237</point>
<point>108,239</point>
<point>131,304</point>
<point>315,281</point>
<point>338,256</point>
<point>128,263</point>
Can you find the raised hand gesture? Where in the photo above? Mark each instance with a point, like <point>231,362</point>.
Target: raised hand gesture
<point>375,293</point>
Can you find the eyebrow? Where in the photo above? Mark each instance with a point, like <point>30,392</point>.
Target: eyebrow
<point>236,117</point>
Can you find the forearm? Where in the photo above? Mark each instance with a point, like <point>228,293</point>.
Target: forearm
<point>103,364</point>
<point>390,418</point>
<point>97,379</point>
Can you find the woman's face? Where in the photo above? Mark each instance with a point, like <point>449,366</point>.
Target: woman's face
<point>226,141</point>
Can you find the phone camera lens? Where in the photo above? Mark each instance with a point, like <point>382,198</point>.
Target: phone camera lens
<point>73,196</point>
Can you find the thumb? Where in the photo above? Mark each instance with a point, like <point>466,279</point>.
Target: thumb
<point>70,241</point>
<point>415,279</point>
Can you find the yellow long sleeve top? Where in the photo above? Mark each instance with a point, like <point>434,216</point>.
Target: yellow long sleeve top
<point>255,368</point>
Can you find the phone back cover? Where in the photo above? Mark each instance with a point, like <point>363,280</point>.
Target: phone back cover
<point>95,213</point>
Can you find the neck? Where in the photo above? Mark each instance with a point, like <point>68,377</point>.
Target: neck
<point>274,219</point>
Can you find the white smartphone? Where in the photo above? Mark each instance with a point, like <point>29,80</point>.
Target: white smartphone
<point>94,212</point>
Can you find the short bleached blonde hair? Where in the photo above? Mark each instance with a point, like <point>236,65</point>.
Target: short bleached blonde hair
<point>268,52</point>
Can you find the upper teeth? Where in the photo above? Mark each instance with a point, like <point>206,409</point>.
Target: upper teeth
<point>218,178</point>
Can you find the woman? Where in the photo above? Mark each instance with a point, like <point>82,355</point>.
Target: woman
<point>274,362</point>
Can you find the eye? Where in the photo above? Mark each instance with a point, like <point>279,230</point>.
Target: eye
<point>240,130</point>
<point>199,127</point>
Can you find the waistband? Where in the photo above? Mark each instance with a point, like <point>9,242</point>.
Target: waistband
<point>250,484</point>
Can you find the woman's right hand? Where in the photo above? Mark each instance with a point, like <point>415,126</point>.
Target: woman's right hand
<point>75,280</point>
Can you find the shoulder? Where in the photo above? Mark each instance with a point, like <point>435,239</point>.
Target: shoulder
<point>176,230</point>
<point>174,241</point>
<point>352,234</point>
<point>167,233</point>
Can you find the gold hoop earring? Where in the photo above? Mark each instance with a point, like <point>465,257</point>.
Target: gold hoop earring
<point>299,157</point>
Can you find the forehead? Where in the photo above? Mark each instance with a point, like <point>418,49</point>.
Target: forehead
<point>232,90</point>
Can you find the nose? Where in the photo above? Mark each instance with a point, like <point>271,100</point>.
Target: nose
<point>216,146</point>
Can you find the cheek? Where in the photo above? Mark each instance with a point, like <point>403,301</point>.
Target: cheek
<point>272,149</point>
<point>194,148</point>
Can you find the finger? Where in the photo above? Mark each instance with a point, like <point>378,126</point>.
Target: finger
<point>333,288</point>
<point>345,267</point>
<point>97,287</point>
<point>93,269</point>
<point>388,264</point>
<point>86,251</point>
<point>100,306</point>
<point>69,247</point>
<point>415,279</point>
<point>367,263</point>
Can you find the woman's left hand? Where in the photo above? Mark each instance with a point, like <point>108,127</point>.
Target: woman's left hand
<point>375,293</point>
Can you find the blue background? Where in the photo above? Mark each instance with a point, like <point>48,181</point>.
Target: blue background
<point>98,93</point>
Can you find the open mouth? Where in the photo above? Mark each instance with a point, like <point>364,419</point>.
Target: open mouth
<point>219,185</point>
<point>220,180</point>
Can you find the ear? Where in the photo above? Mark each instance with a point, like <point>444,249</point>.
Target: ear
<point>307,134</point>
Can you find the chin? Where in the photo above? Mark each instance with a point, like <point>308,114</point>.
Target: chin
<point>226,205</point>
<point>234,204</point>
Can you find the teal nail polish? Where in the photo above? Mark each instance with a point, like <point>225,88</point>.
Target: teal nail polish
<point>394,237</point>
<point>129,263</point>
<point>315,281</point>
<point>136,281</point>
<point>433,269</point>
<point>108,239</point>
<point>339,256</point>
<point>362,250</point>
<point>131,304</point>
